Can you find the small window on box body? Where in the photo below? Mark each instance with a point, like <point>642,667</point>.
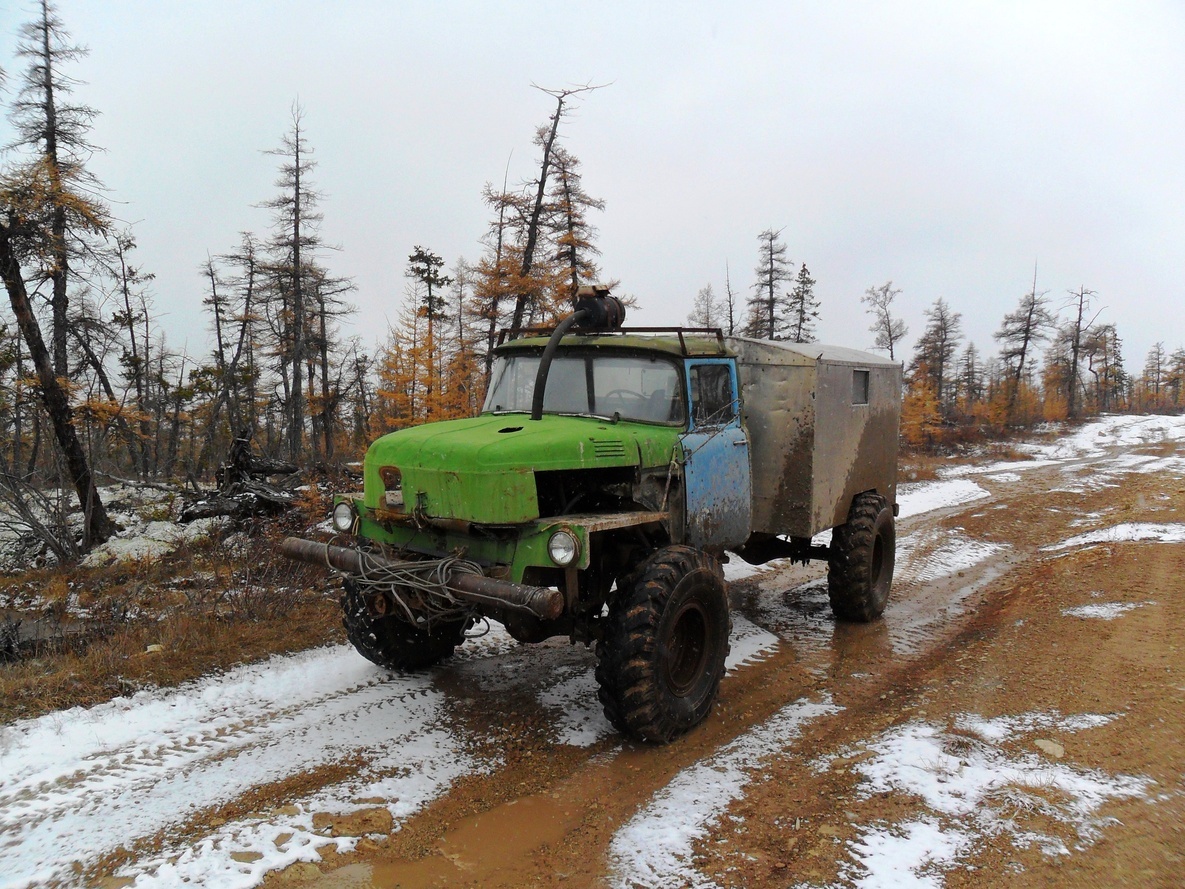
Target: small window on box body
<point>859,387</point>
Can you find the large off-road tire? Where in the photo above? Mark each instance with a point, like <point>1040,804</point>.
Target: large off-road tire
<point>860,567</point>
<point>392,642</point>
<point>660,660</point>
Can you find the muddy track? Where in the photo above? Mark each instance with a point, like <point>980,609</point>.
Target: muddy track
<point>1045,742</point>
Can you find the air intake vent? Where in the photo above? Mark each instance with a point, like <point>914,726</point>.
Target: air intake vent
<point>608,448</point>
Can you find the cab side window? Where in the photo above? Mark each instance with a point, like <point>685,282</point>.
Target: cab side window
<point>712,398</point>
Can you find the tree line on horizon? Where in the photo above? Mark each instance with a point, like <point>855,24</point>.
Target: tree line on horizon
<point>89,387</point>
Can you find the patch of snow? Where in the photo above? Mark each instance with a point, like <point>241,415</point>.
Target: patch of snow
<point>1104,610</point>
<point>1127,532</point>
<point>935,553</point>
<point>580,721</point>
<point>975,790</point>
<point>151,540</point>
<point>748,643</point>
<point>1006,728</point>
<point>1003,477</point>
<point>656,846</point>
<point>738,569</point>
<point>78,784</point>
<point>915,499</point>
<point>905,856</point>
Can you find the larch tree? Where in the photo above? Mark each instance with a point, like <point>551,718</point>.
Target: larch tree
<point>1019,335</point>
<point>1155,376</point>
<point>1073,333</point>
<point>54,133</point>
<point>768,303</point>
<point>133,316</point>
<point>576,248</point>
<point>294,241</point>
<point>705,309</point>
<point>1102,350</point>
<point>889,330</point>
<point>729,302</point>
<point>535,221</point>
<point>802,308</point>
<point>1176,381</point>
<point>936,347</point>
<point>27,235</point>
<point>423,267</point>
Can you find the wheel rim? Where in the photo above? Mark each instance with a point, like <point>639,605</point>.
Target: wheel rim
<point>687,650</point>
<point>878,559</point>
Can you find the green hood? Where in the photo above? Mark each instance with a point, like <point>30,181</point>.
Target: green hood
<point>482,469</point>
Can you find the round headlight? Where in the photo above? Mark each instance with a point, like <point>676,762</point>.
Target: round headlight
<point>563,548</point>
<point>344,517</point>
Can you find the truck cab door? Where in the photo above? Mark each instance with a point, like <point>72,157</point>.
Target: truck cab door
<point>716,475</point>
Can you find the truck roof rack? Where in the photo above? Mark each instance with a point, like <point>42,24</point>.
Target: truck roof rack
<point>507,334</point>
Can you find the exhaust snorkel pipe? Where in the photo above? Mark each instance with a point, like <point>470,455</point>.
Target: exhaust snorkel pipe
<point>595,310</point>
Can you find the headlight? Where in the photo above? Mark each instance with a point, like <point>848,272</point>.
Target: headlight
<point>344,517</point>
<point>563,548</point>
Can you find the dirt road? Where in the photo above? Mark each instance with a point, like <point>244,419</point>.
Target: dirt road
<point>1014,720</point>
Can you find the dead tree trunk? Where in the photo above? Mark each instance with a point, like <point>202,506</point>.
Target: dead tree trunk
<point>99,526</point>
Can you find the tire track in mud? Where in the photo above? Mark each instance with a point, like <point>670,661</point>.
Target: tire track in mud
<point>135,782</point>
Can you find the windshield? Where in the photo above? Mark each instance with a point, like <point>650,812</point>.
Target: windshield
<point>635,387</point>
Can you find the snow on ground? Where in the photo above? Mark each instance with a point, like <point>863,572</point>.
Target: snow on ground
<point>915,499</point>
<point>150,540</point>
<point>1094,441</point>
<point>940,552</point>
<point>1126,532</point>
<point>1104,610</point>
<point>655,847</point>
<point>77,784</point>
<point>973,789</point>
<point>748,643</point>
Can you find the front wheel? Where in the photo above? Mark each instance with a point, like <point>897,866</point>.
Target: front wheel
<point>860,567</point>
<point>392,642</point>
<point>661,658</point>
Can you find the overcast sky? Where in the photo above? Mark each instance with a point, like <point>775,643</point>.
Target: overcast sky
<point>945,146</point>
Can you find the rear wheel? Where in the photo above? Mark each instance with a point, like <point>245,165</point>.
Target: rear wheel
<point>662,655</point>
<point>392,642</point>
<point>860,567</point>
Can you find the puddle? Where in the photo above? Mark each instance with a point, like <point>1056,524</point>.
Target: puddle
<point>489,847</point>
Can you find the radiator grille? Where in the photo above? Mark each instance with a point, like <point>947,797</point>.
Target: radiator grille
<point>608,448</point>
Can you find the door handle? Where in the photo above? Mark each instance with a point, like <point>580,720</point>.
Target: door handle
<point>740,443</point>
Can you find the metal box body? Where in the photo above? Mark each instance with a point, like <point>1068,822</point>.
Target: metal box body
<point>814,445</point>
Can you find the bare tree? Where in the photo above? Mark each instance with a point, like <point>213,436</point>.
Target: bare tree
<point>1079,305</point>
<point>730,301</point>
<point>889,330</point>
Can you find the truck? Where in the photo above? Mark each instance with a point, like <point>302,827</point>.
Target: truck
<point>609,474</point>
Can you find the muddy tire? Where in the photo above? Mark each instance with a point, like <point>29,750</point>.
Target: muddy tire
<point>860,567</point>
<point>394,643</point>
<point>660,660</point>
